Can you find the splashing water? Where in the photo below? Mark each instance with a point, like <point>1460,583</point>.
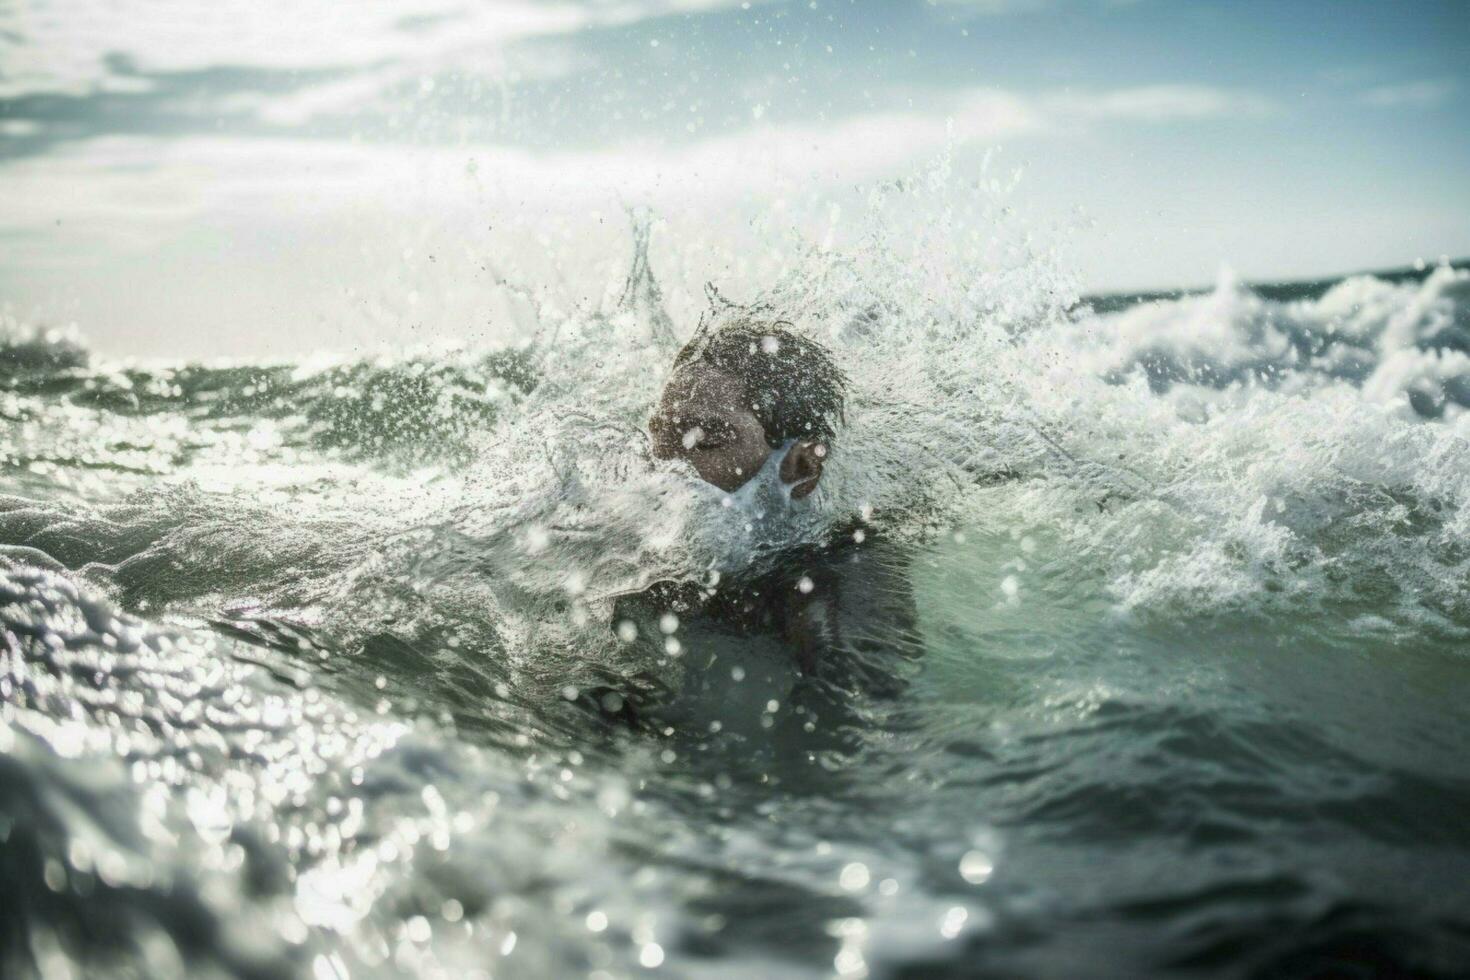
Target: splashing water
<point>296,657</point>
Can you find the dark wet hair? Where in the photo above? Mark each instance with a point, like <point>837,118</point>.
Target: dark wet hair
<point>790,381</point>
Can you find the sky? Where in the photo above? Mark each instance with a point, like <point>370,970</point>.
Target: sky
<point>263,179</point>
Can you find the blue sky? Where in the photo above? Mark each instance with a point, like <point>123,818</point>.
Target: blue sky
<point>203,177</point>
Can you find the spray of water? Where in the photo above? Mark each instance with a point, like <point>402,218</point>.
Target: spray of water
<point>1199,453</point>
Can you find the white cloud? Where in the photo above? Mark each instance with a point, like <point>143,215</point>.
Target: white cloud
<point>124,185</point>
<point>67,45</point>
<point>872,144</point>
<point>1159,103</point>
<point>120,175</point>
<point>342,96</point>
<point>1421,93</point>
<point>863,146</point>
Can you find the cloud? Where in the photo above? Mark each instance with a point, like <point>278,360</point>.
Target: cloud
<point>750,159</point>
<point>82,46</point>
<point>874,143</point>
<point>372,87</point>
<point>1421,93</point>
<point>173,179</point>
<point>1159,103</point>
<point>856,148</point>
<point>124,185</point>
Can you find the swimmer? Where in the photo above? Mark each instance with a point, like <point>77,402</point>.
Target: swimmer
<point>743,391</point>
<point>754,405</point>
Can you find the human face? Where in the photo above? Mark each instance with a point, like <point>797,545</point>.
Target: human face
<point>702,418</point>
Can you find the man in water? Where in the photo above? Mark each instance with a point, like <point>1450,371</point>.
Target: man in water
<point>755,408</point>
<point>744,391</point>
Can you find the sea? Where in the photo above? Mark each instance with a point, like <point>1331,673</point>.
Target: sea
<point>313,667</point>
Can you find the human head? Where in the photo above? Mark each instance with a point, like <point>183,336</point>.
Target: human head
<point>741,390</point>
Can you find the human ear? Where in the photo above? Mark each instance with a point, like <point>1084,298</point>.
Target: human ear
<point>803,467</point>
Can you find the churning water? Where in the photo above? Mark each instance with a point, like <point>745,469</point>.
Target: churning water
<point>313,669</point>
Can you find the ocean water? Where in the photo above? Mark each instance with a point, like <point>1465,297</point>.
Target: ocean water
<point>314,668</point>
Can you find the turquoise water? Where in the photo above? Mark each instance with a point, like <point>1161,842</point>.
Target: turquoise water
<point>305,666</point>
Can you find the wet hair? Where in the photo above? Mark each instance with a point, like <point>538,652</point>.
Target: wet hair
<point>790,381</point>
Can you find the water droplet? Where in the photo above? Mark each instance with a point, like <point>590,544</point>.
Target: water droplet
<point>849,961</point>
<point>976,867</point>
